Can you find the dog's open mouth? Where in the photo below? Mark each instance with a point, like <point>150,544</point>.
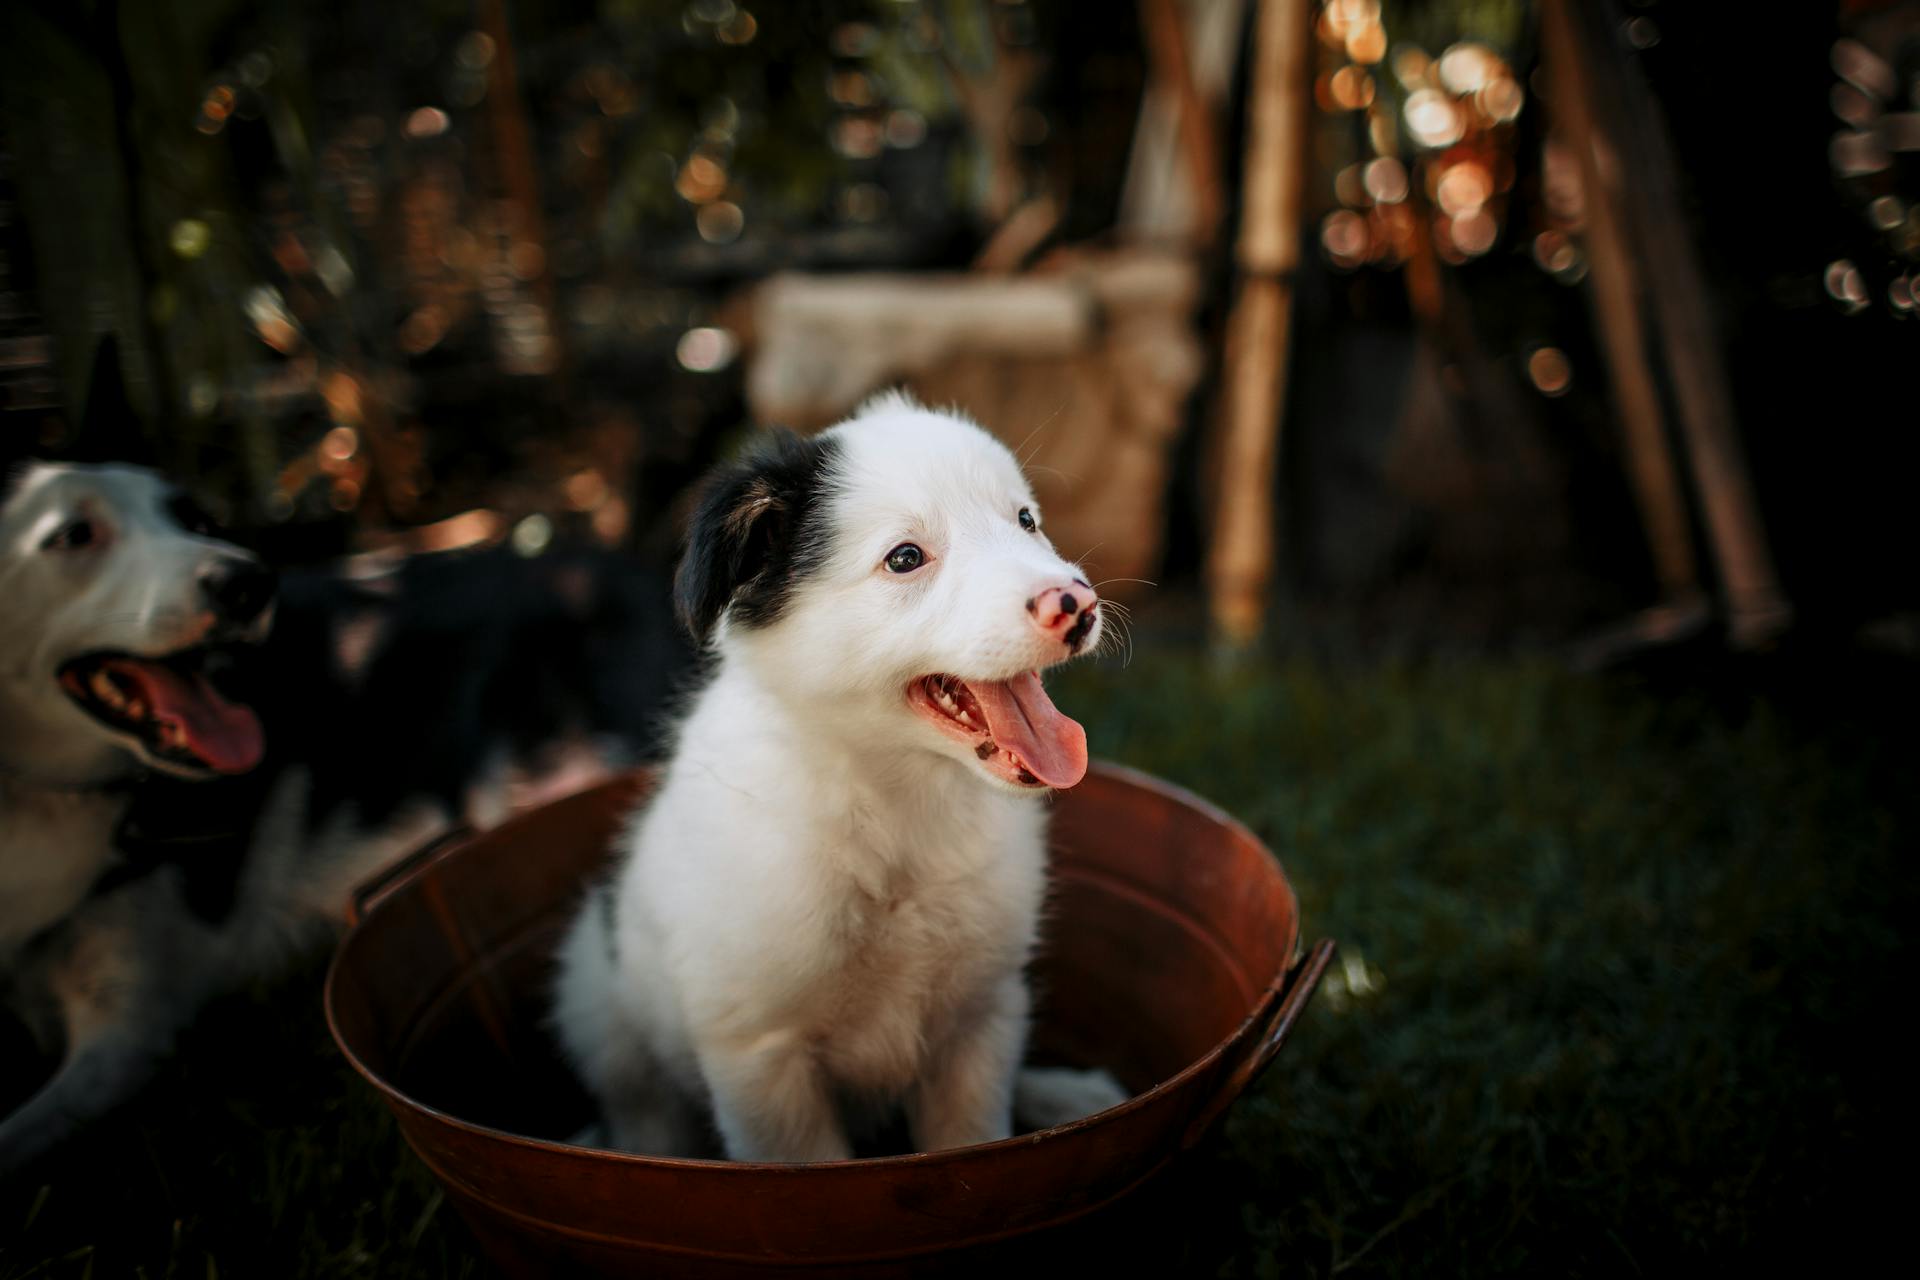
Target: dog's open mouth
<point>168,707</point>
<point>1011,726</point>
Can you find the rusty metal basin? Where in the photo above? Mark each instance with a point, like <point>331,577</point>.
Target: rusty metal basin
<point>1169,958</point>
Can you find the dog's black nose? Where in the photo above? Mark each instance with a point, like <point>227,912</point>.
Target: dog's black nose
<point>238,589</point>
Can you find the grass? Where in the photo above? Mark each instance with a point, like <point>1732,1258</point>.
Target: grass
<point>1622,963</point>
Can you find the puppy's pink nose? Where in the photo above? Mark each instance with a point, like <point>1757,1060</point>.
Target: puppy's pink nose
<point>1062,610</point>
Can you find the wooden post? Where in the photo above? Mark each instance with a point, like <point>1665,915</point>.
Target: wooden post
<point>1615,294</point>
<point>1172,68</point>
<point>1637,175</point>
<point>1240,559</point>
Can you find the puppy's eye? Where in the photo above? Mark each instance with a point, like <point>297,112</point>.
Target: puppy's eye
<point>71,536</point>
<point>905,558</point>
<point>1027,521</point>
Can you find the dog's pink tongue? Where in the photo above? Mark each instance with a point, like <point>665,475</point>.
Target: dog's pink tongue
<point>1024,721</point>
<point>224,736</point>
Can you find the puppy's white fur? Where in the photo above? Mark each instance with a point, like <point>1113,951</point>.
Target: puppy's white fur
<point>829,901</point>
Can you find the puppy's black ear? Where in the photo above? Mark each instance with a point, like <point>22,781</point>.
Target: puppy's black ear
<point>110,430</point>
<point>757,531</point>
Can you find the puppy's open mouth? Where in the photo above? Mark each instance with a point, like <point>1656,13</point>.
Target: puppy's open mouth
<point>1011,726</point>
<point>169,708</point>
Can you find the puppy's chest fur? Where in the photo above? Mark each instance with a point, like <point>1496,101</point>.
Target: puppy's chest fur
<point>932,922</point>
<point>862,924</point>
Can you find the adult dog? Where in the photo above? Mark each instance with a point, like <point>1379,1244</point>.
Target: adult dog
<point>122,608</point>
<point>826,910</point>
<point>193,774</point>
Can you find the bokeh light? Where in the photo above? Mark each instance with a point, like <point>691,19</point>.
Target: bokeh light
<point>1500,99</point>
<point>1345,236</point>
<point>1474,233</point>
<point>1410,67</point>
<point>1367,43</point>
<point>1432,118</point>
<point>1386,180</point>
<point>337,446</point>
<point>1550,371</point>
<point>1465,67</point>
<point>702,179</point>
<point>532,535</point>
<point>1350,88</point>
<point>1349,185</point>
<point>189,238</point>
<point>427,122</point>
<point>1463,188</point>
<point>706,349</point>
<point>1846,285</point>
<point>720,222</point>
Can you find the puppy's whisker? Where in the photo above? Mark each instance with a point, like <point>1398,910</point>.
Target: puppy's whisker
<point>1125,630</point>
<point>1058,410</point>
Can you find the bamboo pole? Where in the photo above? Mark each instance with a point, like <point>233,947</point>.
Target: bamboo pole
<point>1240,559</point>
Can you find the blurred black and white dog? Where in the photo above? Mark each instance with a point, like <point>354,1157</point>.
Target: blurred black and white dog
<point>197,764</point>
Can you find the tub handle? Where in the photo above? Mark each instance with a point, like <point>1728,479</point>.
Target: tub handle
<point>1287,1001</point>
<point>375,888</point>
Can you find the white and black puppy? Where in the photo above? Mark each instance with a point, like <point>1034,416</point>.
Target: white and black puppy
<point>827,907</point>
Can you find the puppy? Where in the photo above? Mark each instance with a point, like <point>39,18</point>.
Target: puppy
<point>826,909</point>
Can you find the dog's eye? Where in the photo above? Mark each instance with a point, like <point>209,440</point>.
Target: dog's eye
<point>905,558</point>
<point>70,536</point>
<point>1027,521</point>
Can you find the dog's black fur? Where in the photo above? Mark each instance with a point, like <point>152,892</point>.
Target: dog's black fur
<point>755,533</point>
<point>480,658</point>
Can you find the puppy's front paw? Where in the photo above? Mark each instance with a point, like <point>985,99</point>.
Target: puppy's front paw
<point>1047,1096</point>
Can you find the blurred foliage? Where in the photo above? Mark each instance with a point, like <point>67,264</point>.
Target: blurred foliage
<point>473,235</point>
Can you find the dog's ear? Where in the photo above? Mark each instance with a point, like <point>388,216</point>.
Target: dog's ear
<point>110,430</point>
<point>756,532</point>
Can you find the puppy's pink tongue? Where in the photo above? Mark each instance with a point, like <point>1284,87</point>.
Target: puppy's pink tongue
<point>224,736</point>
<point>1023,720</point>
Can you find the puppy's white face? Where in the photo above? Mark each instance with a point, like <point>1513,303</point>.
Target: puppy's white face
<point>117,595</point>
<point>909,585</point>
